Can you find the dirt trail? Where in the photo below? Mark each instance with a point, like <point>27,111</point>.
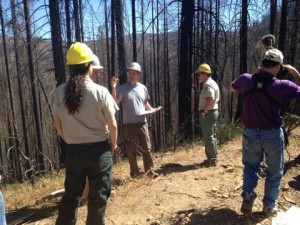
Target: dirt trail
<point>186,193</point>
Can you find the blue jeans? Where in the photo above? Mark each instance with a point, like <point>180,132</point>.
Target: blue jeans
<point>2,210</point>
<point>208,125</point>
<point>257,144</point>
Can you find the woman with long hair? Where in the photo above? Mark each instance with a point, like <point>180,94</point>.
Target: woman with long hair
<point>84,116</point>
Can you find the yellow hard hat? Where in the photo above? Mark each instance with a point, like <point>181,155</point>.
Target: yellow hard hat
<point>204,68</point>
<point>79,53</point>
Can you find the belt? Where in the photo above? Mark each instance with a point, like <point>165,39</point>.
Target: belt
<point>88,144</point>
<point>258,128</point>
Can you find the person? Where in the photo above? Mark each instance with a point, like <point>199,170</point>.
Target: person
<point>286,72</point>
<point>268,41</point>
<point>134,98</point>
<point>84,116</point>
<point>208,107</point>
<point>263,96</point>
<point>2,207</point>
<point>96,68</point>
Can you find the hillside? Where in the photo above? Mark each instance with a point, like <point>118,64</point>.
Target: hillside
<point>185,193</point>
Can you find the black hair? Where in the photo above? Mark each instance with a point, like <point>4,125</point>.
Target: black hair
<point>269,63</point>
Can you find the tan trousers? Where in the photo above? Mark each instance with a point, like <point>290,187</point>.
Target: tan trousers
<point>136,137</point>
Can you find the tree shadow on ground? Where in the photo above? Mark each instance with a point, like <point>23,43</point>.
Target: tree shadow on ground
<point>176,168</point>
<point>295,183</point>
<point>292,163</point>
<point>32,214</point>
<point>27,214</point>
<point>179,168</point>
<point>215,216</point>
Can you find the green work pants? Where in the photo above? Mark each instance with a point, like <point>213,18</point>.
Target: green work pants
<point>92,161</point>
<point>208,125</point>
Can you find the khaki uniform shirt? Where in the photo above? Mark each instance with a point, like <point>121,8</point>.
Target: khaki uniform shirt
<point>89,124</point>
<point>210,89</point>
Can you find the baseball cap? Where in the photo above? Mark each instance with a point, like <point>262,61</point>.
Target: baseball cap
<point>96,62</point>
<point>134,66</point>
<point>274,55</point>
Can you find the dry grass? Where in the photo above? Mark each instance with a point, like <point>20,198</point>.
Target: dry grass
<point>23,195</point>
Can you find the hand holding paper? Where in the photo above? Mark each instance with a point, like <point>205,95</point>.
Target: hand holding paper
<point>150,111</point>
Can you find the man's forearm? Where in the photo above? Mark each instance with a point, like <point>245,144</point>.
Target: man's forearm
<point>114,94</point>
<point>113,132</point>
<point>58,127</point>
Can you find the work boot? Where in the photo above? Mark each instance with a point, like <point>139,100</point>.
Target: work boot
<point>268,212</point>
<point>209,163</point>
<point>247,204</point>
<point>135,175</point>
<point>151,173</point>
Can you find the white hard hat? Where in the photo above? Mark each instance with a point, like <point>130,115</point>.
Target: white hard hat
<point>96,62</point>
<point>134,66</point>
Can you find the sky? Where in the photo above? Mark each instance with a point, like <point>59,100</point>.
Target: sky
<point>95,7</point>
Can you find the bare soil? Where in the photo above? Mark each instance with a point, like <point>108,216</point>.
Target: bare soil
<point>184,193</point>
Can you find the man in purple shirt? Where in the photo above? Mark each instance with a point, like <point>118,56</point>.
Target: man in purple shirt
<point>263,97</point>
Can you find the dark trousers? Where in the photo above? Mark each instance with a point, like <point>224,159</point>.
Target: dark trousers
<point>92,161</point>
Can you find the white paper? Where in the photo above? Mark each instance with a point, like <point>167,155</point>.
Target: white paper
<point>154,110</point>
<point>291,217</point>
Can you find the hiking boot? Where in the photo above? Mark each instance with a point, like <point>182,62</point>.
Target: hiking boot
<point>268,212</point>
<point>209,163</point>
<point>135,175</point>
<point>247,204</point>
<point>152,174</point>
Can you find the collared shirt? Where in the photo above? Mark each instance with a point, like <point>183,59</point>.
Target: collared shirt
<point>258,111</point>
<point>133,99</point>
<point>210,89</point>
<point>89,124</point>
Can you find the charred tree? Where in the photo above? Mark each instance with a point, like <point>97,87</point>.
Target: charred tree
<point>283,23</point>
<point>58,59</point>
<point>273,13</point>
<point>243,52</point>
<point>108,59</point>
<point>34,89</point>
<point>11,123</point>
<point>15,156</point>
<point>185,69</point>
<point>120,40</point>
<point>134,52</point>
<point>68,23</point>
<point>76,14</point>
<point>113,36</point>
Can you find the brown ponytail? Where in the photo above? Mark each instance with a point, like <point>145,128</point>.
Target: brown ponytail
<point>75,87</point>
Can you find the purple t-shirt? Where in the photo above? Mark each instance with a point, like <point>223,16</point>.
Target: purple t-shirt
<point>258,111</point>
